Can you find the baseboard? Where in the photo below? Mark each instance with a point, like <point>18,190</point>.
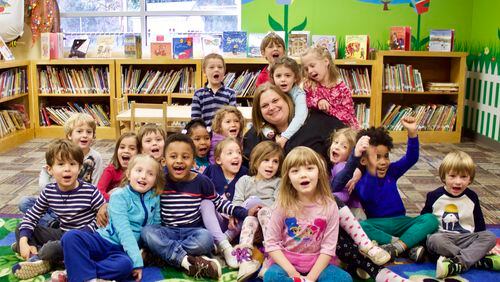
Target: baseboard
<point>480,139</point>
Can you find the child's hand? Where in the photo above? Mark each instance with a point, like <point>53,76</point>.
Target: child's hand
<point>410,123</point>
<point>281,141</point>
<point>362,146</point>
<point>323,105</point>
<point>102,216</point>
<point>137,274</point>
<point>233,223</point>
<point>26,250</point>
<point>254,210</point>
<point>351,184</point>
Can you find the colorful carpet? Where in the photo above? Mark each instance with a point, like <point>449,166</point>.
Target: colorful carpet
<point>416,272</point>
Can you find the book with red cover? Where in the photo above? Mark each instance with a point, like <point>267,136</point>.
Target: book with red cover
<point>400,38</point>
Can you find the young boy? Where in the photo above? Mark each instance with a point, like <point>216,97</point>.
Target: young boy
<point>74,202</point>
<point>272,48</point>
<point>207,100</point>
<point>462,240</point>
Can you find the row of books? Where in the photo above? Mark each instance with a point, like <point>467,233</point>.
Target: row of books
<point>431,117</point>
<point>57,115</point>
<point>10,121</point>
<point>441,86</point>
<point>402,77</point>
<point>358,80</point>
<point>362,112</point>
<point>244,84</point>
<point>13,82</point>
<point>57,80</point>
<point>136,81</point>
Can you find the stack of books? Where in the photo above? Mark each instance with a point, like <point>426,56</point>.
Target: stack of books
<point>358,80</point>
<point>362,114</point>
<point>442,86</point>
<point>92,80</point>
<point>13,82</point>
<point>158,81</point>
<point>402,78</point>
<point>431,117</point>
<point>244,84</point>
<point>10,121</point>
<point>50,115</point>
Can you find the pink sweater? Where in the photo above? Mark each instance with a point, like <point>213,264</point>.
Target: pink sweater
<point>110,178</point>
<point>303,238</point>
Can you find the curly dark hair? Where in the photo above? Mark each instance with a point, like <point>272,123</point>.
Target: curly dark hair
<point>378,136</point>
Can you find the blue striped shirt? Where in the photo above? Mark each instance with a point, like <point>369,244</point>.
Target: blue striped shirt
<point>76,209</point>
<point>180,202</point>
<point>205,103</point>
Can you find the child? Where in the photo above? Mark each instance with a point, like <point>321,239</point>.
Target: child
<point>181,240</point>
<point>260,186</point>
<point>272,48</point>
<point>285,73</point>
<point>125,149</point>
<point>74,202</point>
<point>207,100</point>
<point>199,133</point>
<point>462,240</point>
<point>302,234</point>
<point>228,122</point>
<point>224,174</point>
<point>152,141</point>
<point>324,88</point>
<point>112,253</point>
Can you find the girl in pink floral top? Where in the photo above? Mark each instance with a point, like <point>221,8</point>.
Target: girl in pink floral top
<point>324,88</point>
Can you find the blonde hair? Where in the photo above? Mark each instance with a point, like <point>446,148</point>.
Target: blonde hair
<point>220,146</point>
<point>271,37</point>
<point>221,113</point>
<point>321,53</point>
<point>76,119</point>
<point>147,129</point>
<point>348,133</point>
<point>263,150</point>
<point>212,56</point>
<point>288,63</point>
<point>458,162</point>
<point>142,158</point>
<point>114,159</point>
<point>287,195</point>
<point>64,150</point>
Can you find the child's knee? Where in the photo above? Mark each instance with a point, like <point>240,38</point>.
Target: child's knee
<point>430,220</point>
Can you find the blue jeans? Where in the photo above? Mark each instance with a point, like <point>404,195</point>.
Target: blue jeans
<point>27,202</point>
<point>276,273</point>
<point>172,244</point>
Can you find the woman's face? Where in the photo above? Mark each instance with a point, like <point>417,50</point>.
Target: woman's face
<point>274,108</point>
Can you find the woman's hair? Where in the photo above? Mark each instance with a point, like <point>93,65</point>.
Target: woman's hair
<point>114,159</point>
<point>221,113</point>
<point>321,53</point>
<point>258,120</point>
<point>287,195</point>
<point>458,162</point>
<point>194,123</point>
<point>220,146</point>
<point>264,150</point>
<point>289,63</point>
<point>178,137</point>
<point>348,133</point>
<point>142,158</point>
<point>147,129</point>
<point>271,37</point>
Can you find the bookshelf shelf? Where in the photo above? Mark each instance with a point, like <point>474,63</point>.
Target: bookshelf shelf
<point>69,95</point>
<point>361,96</point>
<point>13,97</point>
<point>102,132</point>
<point>419,93</point>
<point>16,138</point>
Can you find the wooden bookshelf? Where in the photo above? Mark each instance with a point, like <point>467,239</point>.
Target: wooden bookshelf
<point>433,67</point>
<point>51,99</point>
<point>19,136</point>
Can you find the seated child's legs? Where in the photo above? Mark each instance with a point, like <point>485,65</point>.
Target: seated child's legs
<point>212,221</point>
<point>334,273</point>
<point>276,273</point>
<point>27,202</point>
<point>251,202</point>
<point>418,229</point>
<point>40,236</point>
<point>196,241</point>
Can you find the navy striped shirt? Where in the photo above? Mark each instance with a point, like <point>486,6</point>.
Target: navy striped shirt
<point>180,202</point>
<point>205,103</point>
<point>76,209</point>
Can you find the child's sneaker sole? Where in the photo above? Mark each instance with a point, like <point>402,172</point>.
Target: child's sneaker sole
<point>27,270</point>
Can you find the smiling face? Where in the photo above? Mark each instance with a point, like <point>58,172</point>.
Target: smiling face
<point>284,78</point>
<point>377,160</point>
<point>65,173</point>
<point>456,183</point>
<point>316,68</point>
<point>340,149</point>
<point>82,135</point>
<point>268,167</point>
<point>214,70</point>
<point>274,108</point>
<point>304,179</point>
<point>230,159</point>
<point>126,150</point>
<point>179,158</point>
<point>142,176</point>
<point>273,51</point>
<point>201,139</point>
<point>230,125</point>
<point>153,144</point>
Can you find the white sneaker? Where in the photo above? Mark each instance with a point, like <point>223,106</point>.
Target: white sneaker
<point>227,250</point>
<point>376,254</point>
<point>247,269</point>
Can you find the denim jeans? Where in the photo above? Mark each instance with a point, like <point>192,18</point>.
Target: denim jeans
<point>172,244</point>
<point>276,273</point>
<point>27,202</point>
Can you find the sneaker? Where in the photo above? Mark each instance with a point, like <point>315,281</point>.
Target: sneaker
<point>204,267</point>
<point>33,267</point>
<point>247,270</point>
<point>417,254</point>
<point>376,254</point>
<point>229,254</point>
<point>491,262</point>
<point>59,276</point>
<point>447,267</point>
<point>150,259</point>
<point>391,249</point>
<point>362,274</point>
<point>14,248</point>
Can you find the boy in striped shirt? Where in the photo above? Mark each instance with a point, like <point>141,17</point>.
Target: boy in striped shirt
<point>75,203</point>
<point>207,100</point>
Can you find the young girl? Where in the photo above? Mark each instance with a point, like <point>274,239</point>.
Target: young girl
<point>324,88</point>
<point>285,74</point>
<point>262,187</point>
<point>228,122</point>
<point>125,149</point>
<point>112,253</point>
<point>301,236</point>
<point>200,134</point>
<point>152,141</point>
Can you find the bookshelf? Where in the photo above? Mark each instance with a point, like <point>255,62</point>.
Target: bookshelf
<point>8,99</point>
<point>448,67</point>
<point>58,83</point>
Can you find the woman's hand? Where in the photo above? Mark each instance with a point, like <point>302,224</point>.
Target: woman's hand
<point>281,141</point>
<point>323,105</point>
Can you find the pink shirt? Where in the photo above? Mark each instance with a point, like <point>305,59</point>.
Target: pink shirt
<point>340,100</point>
<point>303,238</point>
<point>110,178</point>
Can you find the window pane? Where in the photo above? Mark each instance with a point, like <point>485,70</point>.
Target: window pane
<point>101,24</point>
<point>189,5</point>
<point>67,6</point>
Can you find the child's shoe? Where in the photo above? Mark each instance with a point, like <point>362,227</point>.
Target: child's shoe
<point>59,276</point>
<point>447,267</point>
<point>417,254</point>
<point>33,267</point>
<point>229,255</point>
<point>14,247</point>
<point>491,262</point>
<point>204,267</point>
<point>391,249</point>
<point>362,274</point>
<point>247,270</point>
<point>376,254</point>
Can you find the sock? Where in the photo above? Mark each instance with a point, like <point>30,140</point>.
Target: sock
<point>386,275</point>
<point>185,264</point>
<point>394,239</point>
<point>400,246</point>
<point>351,225</point>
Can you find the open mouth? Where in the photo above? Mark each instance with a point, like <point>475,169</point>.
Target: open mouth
<point>125,158</point>
<point>233,131</point>
<point>268,171</point>
<point>276,55</point>
<point>456,189</point>
<point>67,177</point>
<point>155,150</point>
<point>304,183</point>
<point>335,155</point>
<point>314,76</point>
<point>178,169</point>
<point>235,163</point>
<point>84,142</point>
<point>216,76</point>
<point>202,150</point>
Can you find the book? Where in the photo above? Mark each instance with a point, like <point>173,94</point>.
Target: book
<point>326,41</point>
<point>183,47</point>
<point>56,45</point>
<point>132,45</point>
<point>356,46</point>
<point>45,46</point>
<point>254,40</point>
<point>234,43</point>
<point>104,45</point>
<point>211,43</point>
<point>441,40</point>
<point>298,41</point>
<point>5,51</point>
<point>161,49</point>
<point>79,48</point>
<point>400,38</point>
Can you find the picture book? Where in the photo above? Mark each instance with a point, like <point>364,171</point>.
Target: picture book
<point>441,40</point>
<point>298,41</point>
<point>211,43</point>
<point>183,47</point>
<point>234,43</point>
<point>5,51</point>
<point>254,40</point>
<point>79,48</point>
<point>161,49</point>
<point>56,45</point>
<point>45,46</point>
<point>105,45</point>
<point>356,46</point>
<point>326,41</point>
<point>132,45</point>
<point>400,38</point>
